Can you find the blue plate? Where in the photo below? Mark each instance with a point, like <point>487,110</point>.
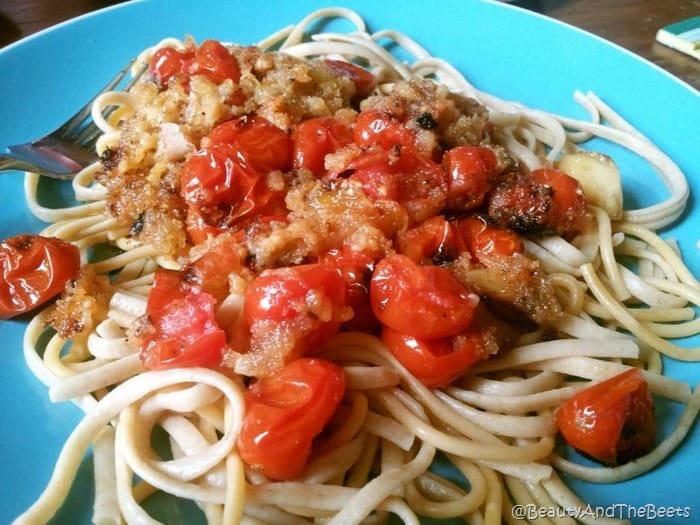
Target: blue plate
<point>510,52</point>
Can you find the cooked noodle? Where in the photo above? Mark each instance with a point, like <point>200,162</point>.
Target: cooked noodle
<point>494,425</point>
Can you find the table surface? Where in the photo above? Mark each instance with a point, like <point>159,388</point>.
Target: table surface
<point>631,24</point>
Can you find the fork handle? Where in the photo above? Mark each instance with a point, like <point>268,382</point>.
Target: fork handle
<point>10,164</point>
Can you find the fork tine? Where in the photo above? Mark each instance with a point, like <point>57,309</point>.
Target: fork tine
<point>88,135</point>
<point>74,123</point>
<point>71,147</point>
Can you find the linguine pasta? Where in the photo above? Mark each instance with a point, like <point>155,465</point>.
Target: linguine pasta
<point>494,426</point>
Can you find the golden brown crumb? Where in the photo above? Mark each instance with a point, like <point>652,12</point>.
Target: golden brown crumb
<point>438,117</point>
<point>83,302</point>
<point>325,215</point>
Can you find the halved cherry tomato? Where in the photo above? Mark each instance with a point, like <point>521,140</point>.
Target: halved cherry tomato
<point>185,331</point>
<point>364,81</point>
<point>315,138</point>
<point>612,421</point>
<point>435,362</point>
<point>285,412</point>
<point>168,285</point>
<point>470,171</point>
<point>433,240</point>
<point>481,239</point>
<point>423,301</point>
<point>308,301</point>
<point>34,270</point>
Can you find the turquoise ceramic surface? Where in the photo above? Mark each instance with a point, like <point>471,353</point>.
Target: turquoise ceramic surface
<point>510,52</point>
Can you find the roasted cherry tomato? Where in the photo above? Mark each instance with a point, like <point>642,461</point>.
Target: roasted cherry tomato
<point>546,200</point>
<point>612,421</point>
<point>181,310</point>
<point>215,61</point>
<point>34,270</point>
<point>256,142</point>
<point>470,171</point>
<point>423,301</point>
<point>569,203</point>
<point>184,329</point>
<point>211,58</point>
<point>435,362</point>
<point>168,63</point>
<point>315,138</point>
<point>431,241</point>
<point>210,272</point>
<point>226,182</point>
<point>417,183</point>
<point>482,239</point>
<point>355,267</point>
<point>307,303</point>
<point>285,411</point>
<point>374,127</point>
<point>364,81</point>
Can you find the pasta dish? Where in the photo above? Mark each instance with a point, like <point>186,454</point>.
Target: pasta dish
<point>306,273</point>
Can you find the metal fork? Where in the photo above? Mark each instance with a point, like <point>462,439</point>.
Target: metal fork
<point>70,148</point>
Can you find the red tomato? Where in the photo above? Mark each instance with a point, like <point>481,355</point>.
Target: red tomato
<point>185,331</point>
<point>255,142</point>
<point>415,182</point>
<point>309,300</point>
<point>213,176</point>
<point>315,138</point>
<point>422,301</point>
<point>215,61</point>
<point>181,309</point>
<point>376,127</point>
<point>470,171</point>
<point>210,272</point>
<point>364,81</point>
<point>34,270</point>
<point>569,203</point>
<point>285,412</point>
<point>211,58</point>
<point>612,421</point>
<point>435,362</point>
<point>198,226</point>
<point>378,177</point>
<point>168,63</point>
<point>226,182</point>
<point>168,285</point>
<point>480,238</point>
<point>433,240</point>
<point>546,200</point>
<point>356,270</point>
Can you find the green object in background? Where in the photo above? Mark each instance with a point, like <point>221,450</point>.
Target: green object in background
<point>683,36</point>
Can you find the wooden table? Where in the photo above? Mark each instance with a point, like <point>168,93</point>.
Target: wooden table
<point>629,23</point>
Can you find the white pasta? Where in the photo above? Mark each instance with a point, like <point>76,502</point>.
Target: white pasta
<point>495,424</point>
